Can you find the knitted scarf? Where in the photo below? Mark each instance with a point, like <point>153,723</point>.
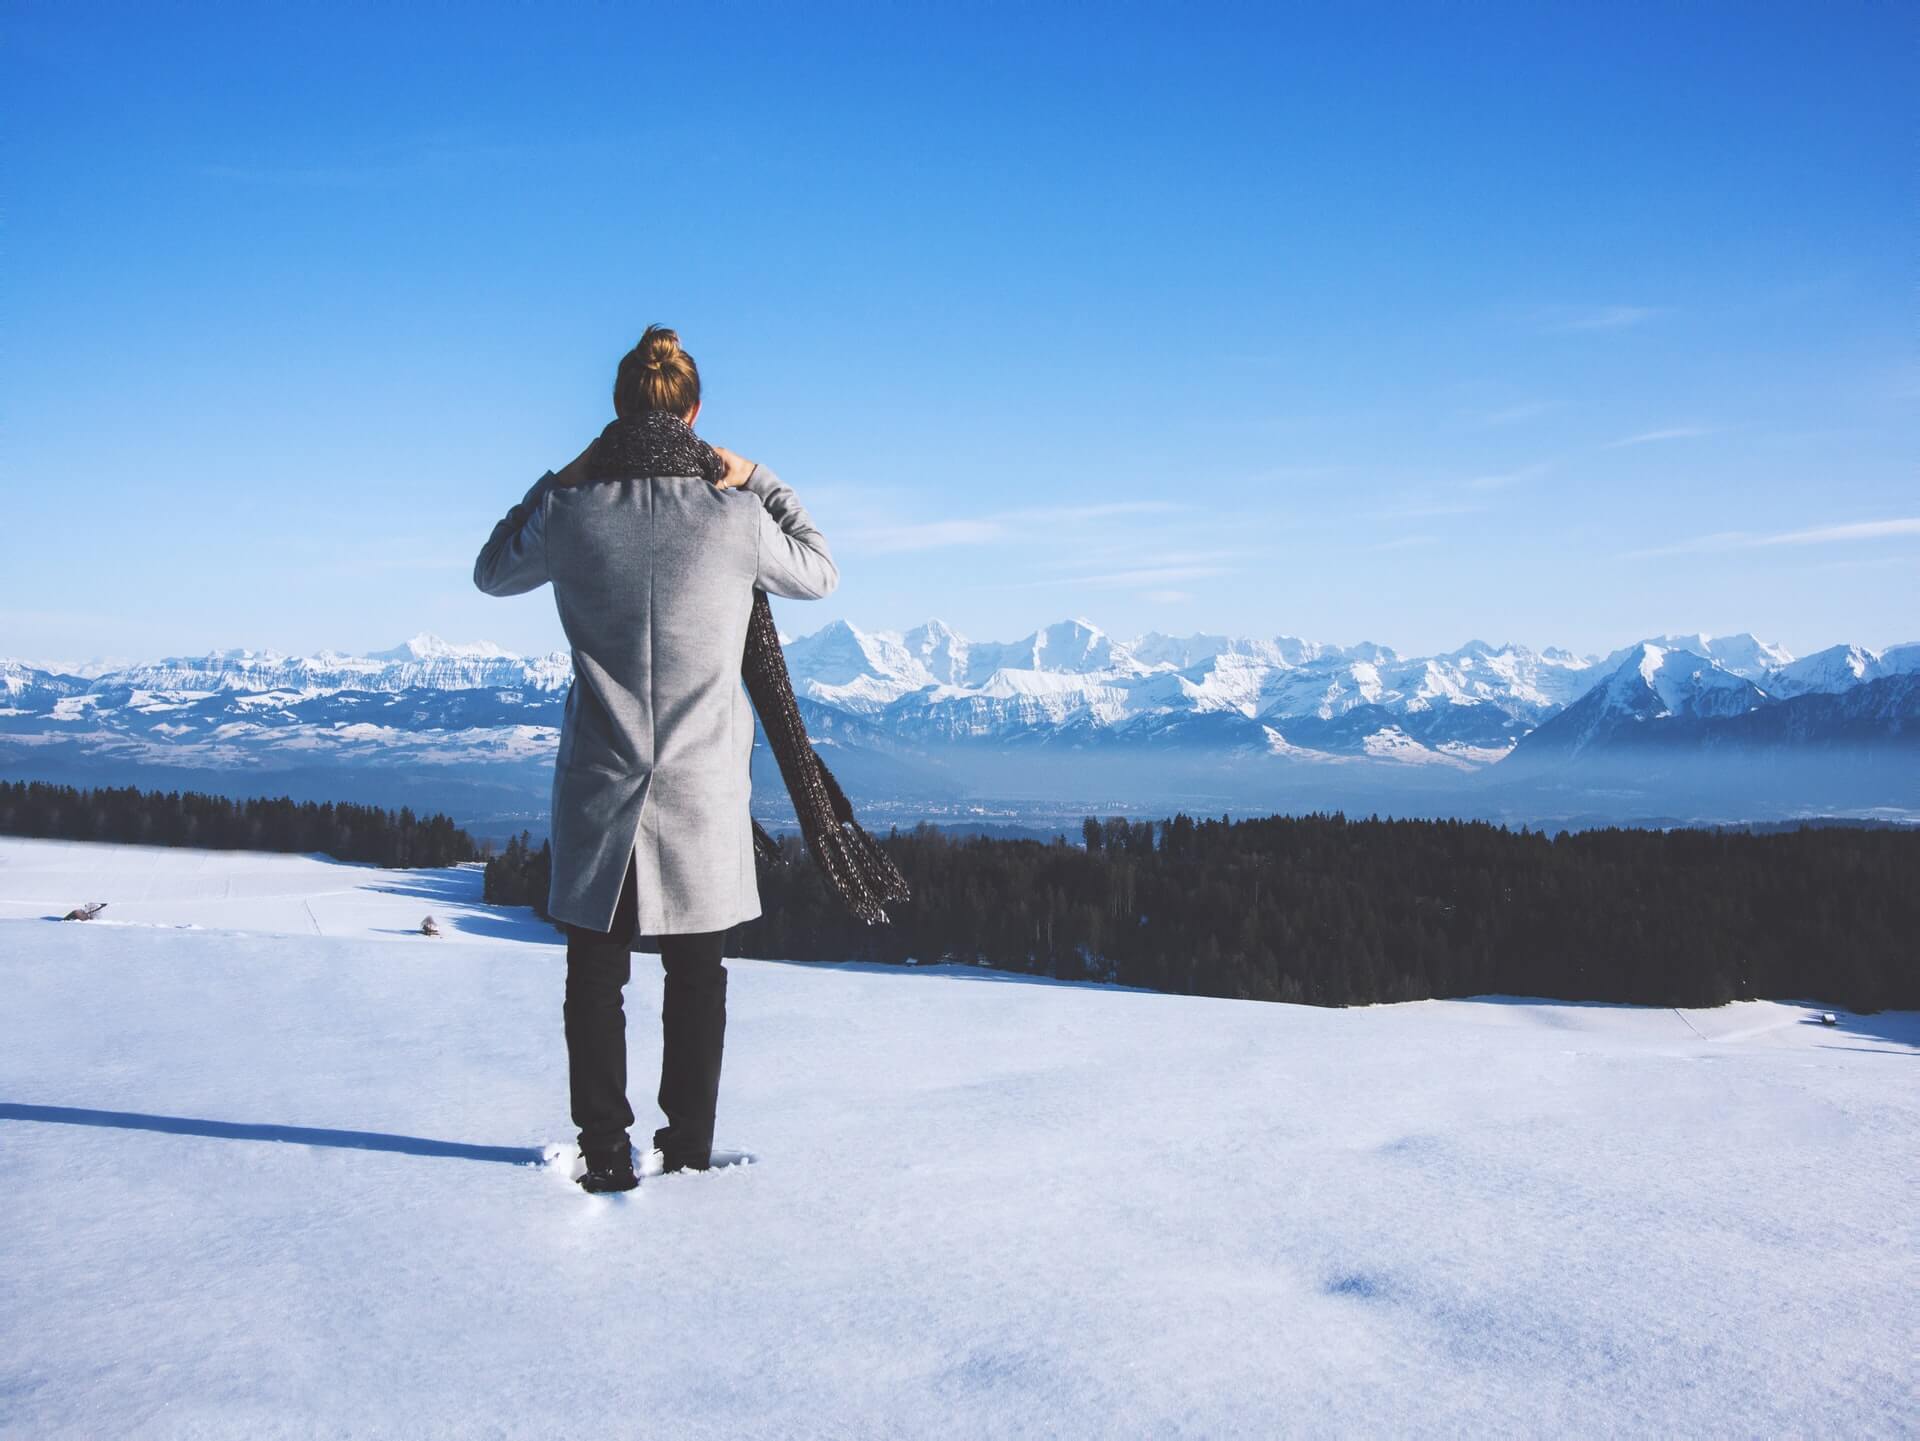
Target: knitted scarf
<point>656,443</point>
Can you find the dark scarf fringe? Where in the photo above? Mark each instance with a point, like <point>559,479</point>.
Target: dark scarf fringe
<point>862,874</point>
<point>765,847</point>
<point>655,443</point>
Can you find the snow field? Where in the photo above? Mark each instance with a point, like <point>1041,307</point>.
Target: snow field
<point>980,1205</point>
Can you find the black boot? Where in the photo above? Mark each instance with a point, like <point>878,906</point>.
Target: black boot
<point>665,1162</point>
<point>609,1170</point>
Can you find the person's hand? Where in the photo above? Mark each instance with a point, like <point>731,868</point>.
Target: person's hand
<point>738,469</point>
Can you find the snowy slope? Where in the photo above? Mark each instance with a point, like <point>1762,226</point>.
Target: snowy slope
<point>1651,683</point>
<point>983,1206</point>
<point>1829,671</point>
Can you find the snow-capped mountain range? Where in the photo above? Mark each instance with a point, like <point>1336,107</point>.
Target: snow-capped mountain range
<point>935,704</point>
<point>425,662</point>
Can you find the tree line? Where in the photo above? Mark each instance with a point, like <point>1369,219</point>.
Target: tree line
<point>340,829</point>
<point>1336,911</point>
<point>520,875</point>
<point>1321,909</point>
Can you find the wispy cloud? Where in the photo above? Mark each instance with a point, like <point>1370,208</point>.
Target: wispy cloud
<point>1166,597</point>
<point>1505,478</point>
<point>1501,480</point>
<point>1857,530</point>
<point>1097,511</point>
<point>1018,524</point>
<point>1814,535</point>
<point>1672,432</point>
<point>928,535</point>
<point>1141,575</point>
<point>1405,542</point>
<point>1122,555</point>
<point>1594,317</point>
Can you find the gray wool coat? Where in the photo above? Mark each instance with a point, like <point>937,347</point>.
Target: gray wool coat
<point>654,580</point>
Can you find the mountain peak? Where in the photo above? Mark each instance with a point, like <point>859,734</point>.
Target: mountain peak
<point>1665,679</point>
<point>428,646</point>
<point>1742,653</point>
<point>1075,629</point>
<point>1368,650</point>
<point>1075,644</point>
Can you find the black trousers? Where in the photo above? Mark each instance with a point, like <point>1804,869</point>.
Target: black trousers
<point>693,1026</point>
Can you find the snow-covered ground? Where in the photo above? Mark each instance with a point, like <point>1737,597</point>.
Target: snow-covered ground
<point>262,1172</point>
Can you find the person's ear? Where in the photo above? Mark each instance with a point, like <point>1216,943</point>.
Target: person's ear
<point>694,414</point>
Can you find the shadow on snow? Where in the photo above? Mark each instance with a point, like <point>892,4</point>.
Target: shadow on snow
<point>291,1135</point>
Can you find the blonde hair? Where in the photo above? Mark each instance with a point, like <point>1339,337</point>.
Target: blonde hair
<point>656,375</point>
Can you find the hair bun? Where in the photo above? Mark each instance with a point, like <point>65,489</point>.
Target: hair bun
<point>659,345</point>
<point>656,375</point>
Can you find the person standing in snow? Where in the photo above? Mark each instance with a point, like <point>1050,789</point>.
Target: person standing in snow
<point>654,542</point>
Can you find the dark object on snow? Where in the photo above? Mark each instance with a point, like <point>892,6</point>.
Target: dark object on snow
<point>86,912</point>
<point>429,927</point>
<point>860,872</point>
<point>608,1170</point>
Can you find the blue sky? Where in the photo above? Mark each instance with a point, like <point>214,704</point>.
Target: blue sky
<point>1560,324</point>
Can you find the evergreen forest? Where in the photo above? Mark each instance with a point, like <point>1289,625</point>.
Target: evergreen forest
<point>342,830</point>
<point>1330,910</point>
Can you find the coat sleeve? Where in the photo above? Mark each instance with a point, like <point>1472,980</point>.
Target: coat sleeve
<point>794,560</point>
<point>514,559</point>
